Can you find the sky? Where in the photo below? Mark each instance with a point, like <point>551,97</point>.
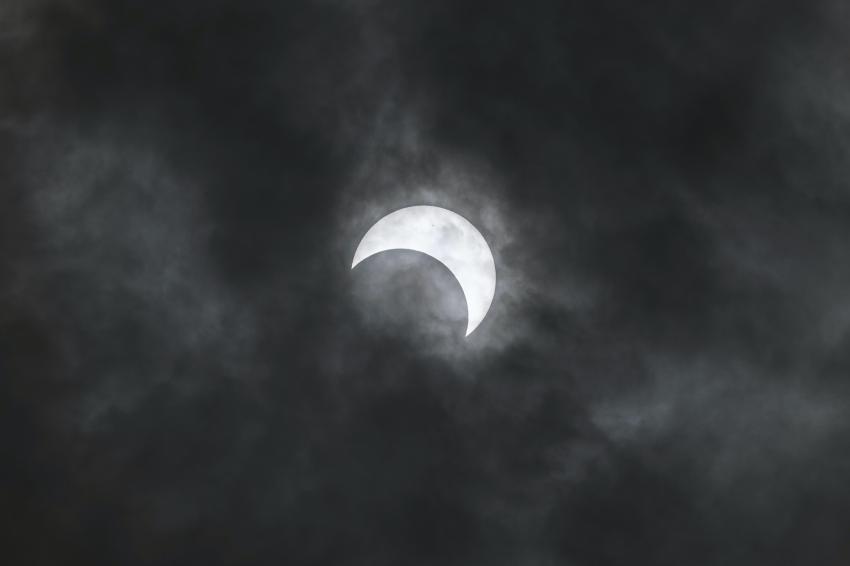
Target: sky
<point>191,373</point>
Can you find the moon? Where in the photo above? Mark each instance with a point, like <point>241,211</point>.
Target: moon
<point>449,238</point>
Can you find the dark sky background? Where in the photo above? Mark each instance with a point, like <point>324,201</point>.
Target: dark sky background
<point>191,374</point>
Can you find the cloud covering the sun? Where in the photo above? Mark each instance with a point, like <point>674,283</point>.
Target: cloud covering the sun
<point>190,372</point>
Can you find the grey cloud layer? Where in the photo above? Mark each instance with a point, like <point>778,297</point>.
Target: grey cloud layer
<point>191,372</point>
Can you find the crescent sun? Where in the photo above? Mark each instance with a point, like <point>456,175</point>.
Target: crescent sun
<point>449,238</point>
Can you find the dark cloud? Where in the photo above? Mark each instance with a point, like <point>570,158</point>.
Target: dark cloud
<point>191,373</point>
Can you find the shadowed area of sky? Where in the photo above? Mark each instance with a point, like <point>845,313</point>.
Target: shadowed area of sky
<point>190,373</point>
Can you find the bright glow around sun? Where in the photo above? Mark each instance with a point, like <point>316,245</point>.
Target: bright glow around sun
<point>447,237</point>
